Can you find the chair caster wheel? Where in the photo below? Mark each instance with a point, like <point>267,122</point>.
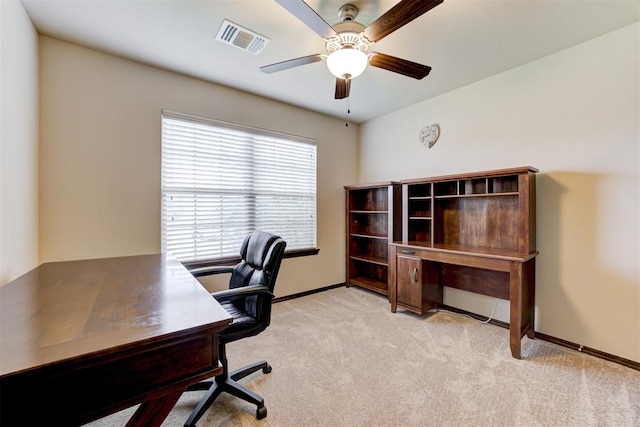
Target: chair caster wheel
<point>261,412</point>
<point>267,369</point>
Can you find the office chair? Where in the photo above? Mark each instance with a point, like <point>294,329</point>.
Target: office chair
<point>248,301</point>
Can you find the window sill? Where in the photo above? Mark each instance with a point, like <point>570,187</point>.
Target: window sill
<point>236,259</point>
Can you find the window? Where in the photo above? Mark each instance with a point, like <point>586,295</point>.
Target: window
<point>220,181</point>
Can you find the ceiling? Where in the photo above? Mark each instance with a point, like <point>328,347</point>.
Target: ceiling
<point>462,40</point>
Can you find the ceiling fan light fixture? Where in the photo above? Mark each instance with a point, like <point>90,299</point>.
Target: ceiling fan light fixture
<point>347,63</point>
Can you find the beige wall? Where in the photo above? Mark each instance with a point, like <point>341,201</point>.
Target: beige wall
<point>18,142</point>
<point>575,116</point>
<point>100,157</point>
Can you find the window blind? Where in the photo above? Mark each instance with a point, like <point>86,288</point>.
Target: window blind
<point>220,181</point>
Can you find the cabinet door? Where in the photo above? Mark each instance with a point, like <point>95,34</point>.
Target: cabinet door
<point>409,281</point>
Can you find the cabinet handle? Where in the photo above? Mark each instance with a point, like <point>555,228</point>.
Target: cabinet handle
<point>415,275</point>
<point>404,251</point>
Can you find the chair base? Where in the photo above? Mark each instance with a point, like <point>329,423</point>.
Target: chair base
<point>228,383</point>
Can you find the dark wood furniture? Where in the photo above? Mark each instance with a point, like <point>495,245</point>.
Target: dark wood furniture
<point>373,221</point>
<point>474,232</point>
<point>83,339</point>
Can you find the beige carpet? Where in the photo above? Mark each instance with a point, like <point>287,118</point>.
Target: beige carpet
<point>341,358</point>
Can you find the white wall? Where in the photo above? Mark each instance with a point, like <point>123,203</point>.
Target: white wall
<point>100,157</point>
<point>575,116</point>
<point>18,142</point>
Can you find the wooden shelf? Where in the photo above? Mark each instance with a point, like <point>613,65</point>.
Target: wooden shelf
<point>485,212</point>
<point>484,251</point>
<point>416,243</point>
<point>366,282</point>
<point>371,259</point>
<point>504,254</point>
<point>475,195</point>
<point>373,221</point>
<point>369,236</point>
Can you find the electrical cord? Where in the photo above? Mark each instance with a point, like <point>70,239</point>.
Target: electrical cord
<point>471,317</point>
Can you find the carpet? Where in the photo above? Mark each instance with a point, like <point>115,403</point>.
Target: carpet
<point>341,358</point>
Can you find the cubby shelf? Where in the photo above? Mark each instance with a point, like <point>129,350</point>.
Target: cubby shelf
<point>475,211</point>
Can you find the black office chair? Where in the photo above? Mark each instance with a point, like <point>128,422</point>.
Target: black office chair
<point>248,301</point>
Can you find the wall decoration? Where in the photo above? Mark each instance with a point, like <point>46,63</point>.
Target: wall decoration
<point>429,135</point>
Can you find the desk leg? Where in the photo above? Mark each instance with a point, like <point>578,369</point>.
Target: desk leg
<point>530,284</point>
<point>153,412</point>
<point>515,313</point>
<point>391,279</point>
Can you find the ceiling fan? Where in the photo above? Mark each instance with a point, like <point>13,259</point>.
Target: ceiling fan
<point>348,42</point>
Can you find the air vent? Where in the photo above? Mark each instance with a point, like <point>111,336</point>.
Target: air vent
<point>242,38</point>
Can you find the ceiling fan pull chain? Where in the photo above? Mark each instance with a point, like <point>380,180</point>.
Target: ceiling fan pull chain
<point>348,111</point>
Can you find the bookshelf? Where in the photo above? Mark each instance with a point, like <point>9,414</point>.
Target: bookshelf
<point>373,222</point>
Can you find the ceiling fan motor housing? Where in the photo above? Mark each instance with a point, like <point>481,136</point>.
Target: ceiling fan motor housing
<point>347,45</point>
<point>347,12</point>
<point>349,35</point>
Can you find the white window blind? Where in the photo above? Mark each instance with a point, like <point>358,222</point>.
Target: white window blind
<point>221,181</point>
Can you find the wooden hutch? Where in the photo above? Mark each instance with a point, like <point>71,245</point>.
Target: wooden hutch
<point>472,231</point>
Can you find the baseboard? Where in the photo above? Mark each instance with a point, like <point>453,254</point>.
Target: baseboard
<point>305,293</point>
<point>564,343</point>
<point>591,351</point>
<point>544,337</point>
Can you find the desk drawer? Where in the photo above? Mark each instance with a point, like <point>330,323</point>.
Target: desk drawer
<point>409,251</point>
<point>78,391</point>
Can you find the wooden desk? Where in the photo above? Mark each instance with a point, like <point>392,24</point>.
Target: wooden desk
<point>417,274</point>
<point>84,339</point>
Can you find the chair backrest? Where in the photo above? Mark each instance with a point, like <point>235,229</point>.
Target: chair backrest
<point>261,254</point>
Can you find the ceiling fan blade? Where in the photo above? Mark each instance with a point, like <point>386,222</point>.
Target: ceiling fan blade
<point>308,16</point>
<point>400,66</point>
<point>398,16</point>
<point>285,65</point>
<point>343,87</point>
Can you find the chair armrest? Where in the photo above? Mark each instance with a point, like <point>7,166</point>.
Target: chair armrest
<point>207,271</point>
<point>243,292</point>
